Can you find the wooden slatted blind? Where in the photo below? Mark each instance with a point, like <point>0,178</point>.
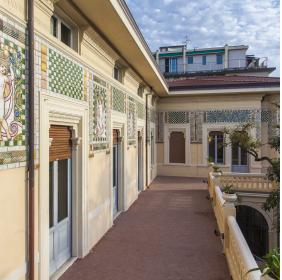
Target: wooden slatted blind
<point>177,147</point>
<point>61,144</point>
<point>115,136</point>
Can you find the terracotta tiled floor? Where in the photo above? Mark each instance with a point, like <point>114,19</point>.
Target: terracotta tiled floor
<point>167,234</point>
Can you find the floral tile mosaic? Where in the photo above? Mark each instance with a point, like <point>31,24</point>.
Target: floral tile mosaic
<point>12,94</point>
<point>99,113</point>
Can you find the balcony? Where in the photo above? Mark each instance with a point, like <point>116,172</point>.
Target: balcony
<point>169,234</point>
<point>234,65</point>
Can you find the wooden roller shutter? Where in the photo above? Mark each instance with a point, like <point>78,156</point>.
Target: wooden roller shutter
<point>115,136</point>
<point>177,147</point>
<point>61,144</point>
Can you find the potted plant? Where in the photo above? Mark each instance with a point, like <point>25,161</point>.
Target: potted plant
<point>216,169</point>
<point>228,193</point>
<point>271,266</point>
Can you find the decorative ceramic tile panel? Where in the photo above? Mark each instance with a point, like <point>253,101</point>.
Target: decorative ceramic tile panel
<point>176,117</point>
<point>99,113</point>
<point>153,116</point>
<point>12,95</point>
<point>229,116</point>
<point>65,76</point>
<point>196,123</point>
<point>160,127</point>
<point>265,116</point>
<point>140,110</point>
<point>44,79</point>
<point>131,121</point>
<point>118,100</point>
<point>12,31</point>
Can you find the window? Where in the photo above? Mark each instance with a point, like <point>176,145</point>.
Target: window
<point>190,59</point>
<point>216,147</point>
<point>204,60</point>
<point>219,59</point>
<point>140,91</point>
<point>118,73</point>
<point>177,147</point>
<point>173,65</point>
<point>61,30</point>
<point>166,65</point>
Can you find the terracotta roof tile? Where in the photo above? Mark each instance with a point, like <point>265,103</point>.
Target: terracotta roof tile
<point>222,82</point>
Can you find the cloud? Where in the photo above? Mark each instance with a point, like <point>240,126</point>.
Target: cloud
<point>212,23</point>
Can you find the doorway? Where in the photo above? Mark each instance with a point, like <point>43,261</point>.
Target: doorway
<point>60,192</point>
<point>140,163</point>
<point>116,172</point>
<point>254,228</point>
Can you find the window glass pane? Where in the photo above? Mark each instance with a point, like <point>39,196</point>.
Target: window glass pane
<point>219,59</point>
<point>211,147</point>
<point>65,35</point>
<point>190,59</point>
<point>235,155</point>
<point>54,26</point>
<point>173,65</point>
<point>204,60</point>
<point>62,189</point>
<point>117,73</point>
<point>244,157</point>
<point>114,165</point>
<point>220,148</point>
<point>51,194</point>
<point>166,65</point>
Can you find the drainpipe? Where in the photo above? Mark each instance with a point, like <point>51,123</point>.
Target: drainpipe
<point>30,24</point>
<point>158,57</point>
<point>146,135</point>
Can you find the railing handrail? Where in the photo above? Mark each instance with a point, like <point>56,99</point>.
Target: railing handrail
<point>244,249</point>
<point>233,174</point>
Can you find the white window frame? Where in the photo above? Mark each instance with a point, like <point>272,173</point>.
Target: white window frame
<point>216,147</point>
<point>59,26</point>
<point>120,73</point>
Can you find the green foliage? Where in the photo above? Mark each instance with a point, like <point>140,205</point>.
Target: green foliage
<point>216,169</point>
<point>228,189</point>
<point>271,265</point>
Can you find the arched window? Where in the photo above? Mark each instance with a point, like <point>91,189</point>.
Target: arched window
<point>216,147</point>
<point>254,228</point>
<point>177,147</point>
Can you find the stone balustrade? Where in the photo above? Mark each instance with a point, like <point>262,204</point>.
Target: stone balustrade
<point>252,182</point>
<point>239,257</point>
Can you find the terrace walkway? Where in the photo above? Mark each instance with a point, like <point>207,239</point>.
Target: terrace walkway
<point>167,234</point>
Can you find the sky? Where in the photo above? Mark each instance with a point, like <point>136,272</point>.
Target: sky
<point>212,23</point>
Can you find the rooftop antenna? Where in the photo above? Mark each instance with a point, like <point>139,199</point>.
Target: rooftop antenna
<point>186,41</point>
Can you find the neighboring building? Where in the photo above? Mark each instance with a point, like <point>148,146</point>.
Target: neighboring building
<point>106,123</point>
<point>175,61</point>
